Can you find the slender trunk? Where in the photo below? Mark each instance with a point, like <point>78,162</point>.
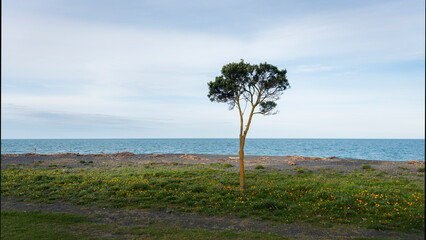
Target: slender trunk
<point>242,142</point>
<point>243,135</point>
<point>242,175</point>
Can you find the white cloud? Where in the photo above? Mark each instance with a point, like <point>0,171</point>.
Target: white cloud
<point>313,68</point>
<point>68,50</point>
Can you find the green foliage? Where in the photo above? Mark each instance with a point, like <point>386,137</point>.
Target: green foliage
<point>227,165</point>
<point>260,84</point>
<point>368,167</point>
<point>381,174</point>
<point>422,169</point>
<point>139,186</point>
<point>267,107</point>
<point>268,204</point>
<point>259,167</point>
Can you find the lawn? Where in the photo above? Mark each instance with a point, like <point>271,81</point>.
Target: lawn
<point>364,198</point>
<point>52,226</point>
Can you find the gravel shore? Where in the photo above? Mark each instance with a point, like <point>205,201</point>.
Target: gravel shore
<point>282,163</point>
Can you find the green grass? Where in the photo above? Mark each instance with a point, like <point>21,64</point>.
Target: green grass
<point>227,165</point>
<point>40,225</point>
<point>158,232</point>
<point>43,225</point>
<point>359,198</point>
<point>368,168</point>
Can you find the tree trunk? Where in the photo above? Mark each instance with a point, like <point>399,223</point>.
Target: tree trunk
<point>242,175</point>
<point>243,136</point>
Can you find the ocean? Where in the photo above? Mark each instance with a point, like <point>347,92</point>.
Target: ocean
<point>370,149</point>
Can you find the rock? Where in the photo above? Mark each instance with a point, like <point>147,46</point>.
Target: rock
<point>264,158</point>
<point>415,162</point>
<point>291,163</point>
<point>234,158</point>
<point>296,157</point>
<point>333,157</point>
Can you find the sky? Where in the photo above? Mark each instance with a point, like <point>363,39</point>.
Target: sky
<point>139,69</point>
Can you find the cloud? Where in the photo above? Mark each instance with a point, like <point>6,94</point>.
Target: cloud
<point>112,60</point>
<point>37,116</point>
<point>24,122</point>
<point>313,68</point>
<point>67,69</point>
<point>73,50</point>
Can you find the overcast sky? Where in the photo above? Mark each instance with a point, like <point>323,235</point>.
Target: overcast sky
<point>139,69</point>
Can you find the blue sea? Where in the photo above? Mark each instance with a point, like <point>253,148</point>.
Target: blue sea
<point>370,149</point>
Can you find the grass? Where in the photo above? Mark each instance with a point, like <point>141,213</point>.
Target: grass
<point>368,168</point>
<point>360,198</point>
<point>227,165</point>
<point>39,225</point>
<point>43,225</point>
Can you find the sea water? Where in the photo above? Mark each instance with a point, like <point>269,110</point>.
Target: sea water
<point>370,149</point>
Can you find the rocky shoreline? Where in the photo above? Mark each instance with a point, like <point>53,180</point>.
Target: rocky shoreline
<point>282,163</point>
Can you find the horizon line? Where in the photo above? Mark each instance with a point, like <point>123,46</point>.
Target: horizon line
<point>207,138</point>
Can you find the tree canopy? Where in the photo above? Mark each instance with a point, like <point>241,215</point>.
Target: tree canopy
<point>260,85</point>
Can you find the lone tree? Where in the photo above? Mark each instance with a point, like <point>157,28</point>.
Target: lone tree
<point>241,85</point>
